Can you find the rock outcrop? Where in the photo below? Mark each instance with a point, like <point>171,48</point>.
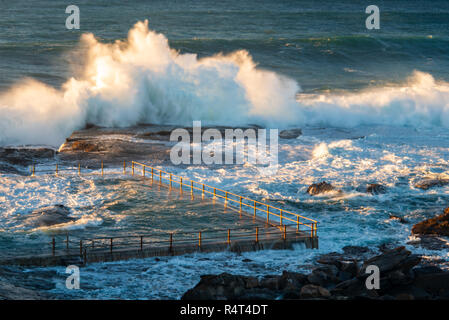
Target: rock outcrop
<point>339,278</point>
<point>431,183</point>
<point>434,226</point>
<point>318,188</point>
<point>290,133</point>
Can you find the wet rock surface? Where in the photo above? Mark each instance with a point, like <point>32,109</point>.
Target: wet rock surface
<point>375,188</point>
<point>341,276</point>
<point>398,218</point>
<point>149,143</point>
<point>319,188</point>
<point>434,226</point>
<point>430,242</point>
<point>431,183</point>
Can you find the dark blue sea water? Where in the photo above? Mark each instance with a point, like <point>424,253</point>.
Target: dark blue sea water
<point>324,45</point>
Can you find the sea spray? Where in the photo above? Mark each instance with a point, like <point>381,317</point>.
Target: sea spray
<point>420,102</point>
<point>142,79</point>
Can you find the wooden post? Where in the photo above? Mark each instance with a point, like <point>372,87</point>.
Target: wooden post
<point>229,236</point>
<point>141,243</point>
<point>199,239</point>
<point>111,244</point>
<point>33,170</point>
<point>143,171</point>
<point>268,214</point>
<point>257,234</point>
<point>79,168</point>
<point>285,232</point>
<point>203,191</point>
<point>102,168</point>
<point>56,172</point>
<point>254,208</point>
<point>132,166</point>
<point>240,204</point>
<point>152,174</point>
<point>281,218</point>
<point>53,246</point>
<point>171,242</point>
<point>180,185</point>
<point>160,176</point>
<point>170,180</point>
<point>93,244</point>
<point>124,166</point>
<point>297,224</point>
<point>191,187</point>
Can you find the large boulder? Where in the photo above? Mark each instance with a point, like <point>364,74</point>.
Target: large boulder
<point>395,259</point>
<point>311,291</point>
<point>437,226</point>
<point>430,183</point>
<point>221,287</point>
<point>292,281</point>
<point>318,188</point>
<point>436,283</point>
<point>354,287</point>
<point>325,276</point>
<point>49,216</point>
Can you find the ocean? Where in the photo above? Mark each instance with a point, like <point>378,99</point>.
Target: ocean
<point>373,106</point>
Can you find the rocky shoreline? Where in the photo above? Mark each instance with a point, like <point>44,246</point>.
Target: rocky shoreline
<point>342,276</point>
<point>89,146</point>
<point>403,276</point>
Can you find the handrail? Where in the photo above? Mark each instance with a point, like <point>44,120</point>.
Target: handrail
<point>84,245</point>
<point>312,224</point>
<point>283,215</point>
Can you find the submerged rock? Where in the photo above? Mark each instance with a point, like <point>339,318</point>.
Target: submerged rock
<point>431,183</point>
<point>398,218</point>
<point>318,188</point>
<point>48,216</point>
<point>438,225</point>
<point>375,188</point>
<point>290,133</point>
